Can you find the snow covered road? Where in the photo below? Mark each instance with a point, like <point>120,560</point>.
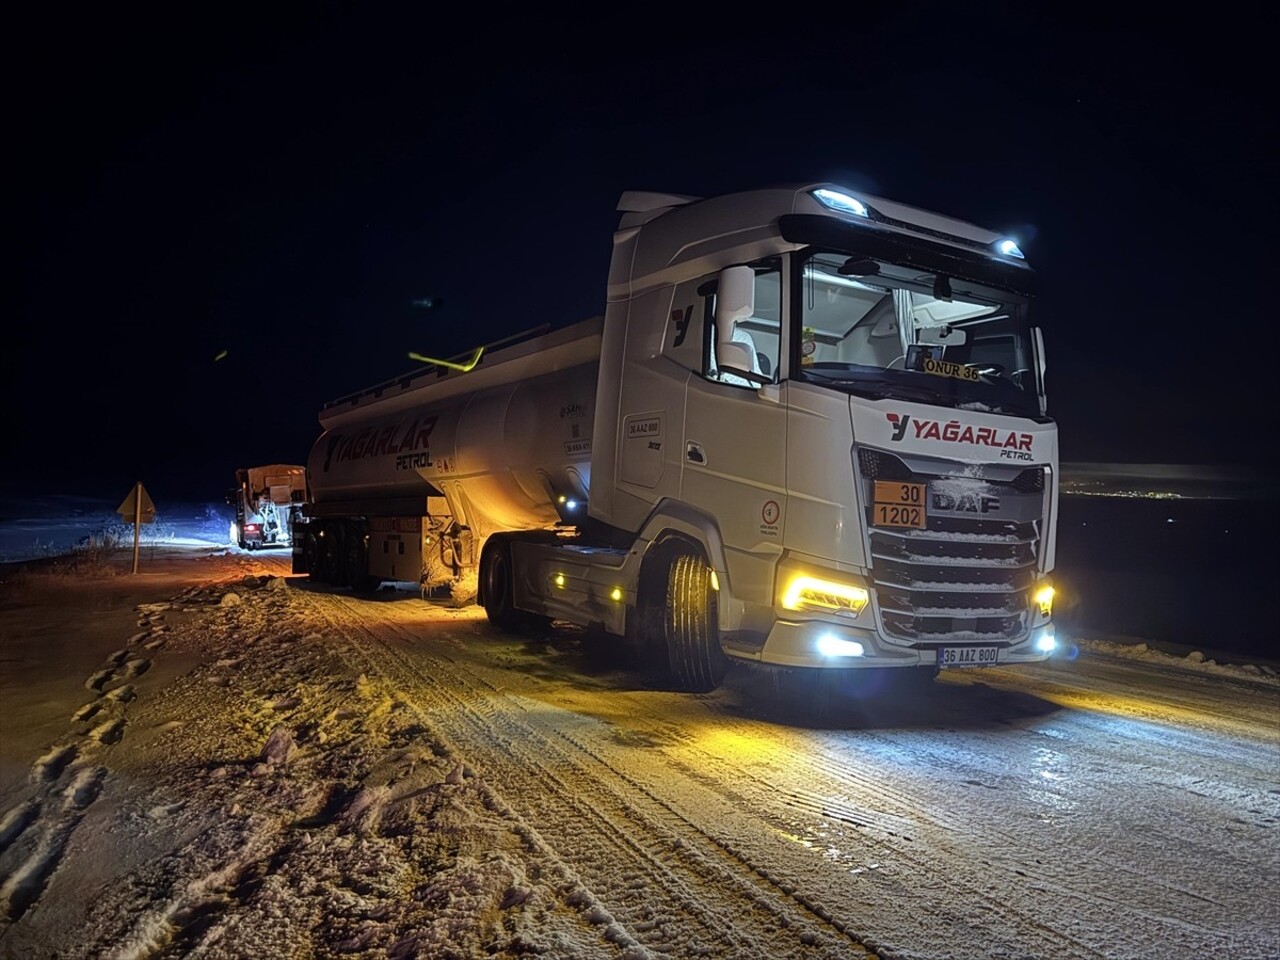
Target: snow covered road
<point>318,774</point>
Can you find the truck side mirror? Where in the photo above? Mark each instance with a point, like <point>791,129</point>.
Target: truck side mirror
<point>735,300</point>
<point>1038,336</point>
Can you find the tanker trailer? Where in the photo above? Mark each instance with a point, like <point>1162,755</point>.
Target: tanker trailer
<point>410,476</point>
<point>810,432</point>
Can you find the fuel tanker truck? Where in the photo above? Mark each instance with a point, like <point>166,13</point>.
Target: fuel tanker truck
<point>809,431</point>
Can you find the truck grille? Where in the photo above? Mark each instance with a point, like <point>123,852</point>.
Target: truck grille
<point>965,577</point>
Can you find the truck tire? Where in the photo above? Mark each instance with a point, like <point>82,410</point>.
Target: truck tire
<point>498,585</point>
<point>328,558</point>
<point>697,663</point>
<point>312,551</point>
<point>355,572</point>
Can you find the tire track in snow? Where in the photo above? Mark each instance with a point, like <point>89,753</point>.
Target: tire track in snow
<point>968,849</point>
<point>946,853</point>
<point>678,883</point>
<point>937,857</point>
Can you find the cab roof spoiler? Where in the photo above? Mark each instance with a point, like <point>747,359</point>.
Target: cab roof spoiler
<point>641,206</point>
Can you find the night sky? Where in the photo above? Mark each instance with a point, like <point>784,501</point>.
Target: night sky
<point>218,223</point>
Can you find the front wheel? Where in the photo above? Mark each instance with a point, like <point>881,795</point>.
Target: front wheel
<point>697,663</point>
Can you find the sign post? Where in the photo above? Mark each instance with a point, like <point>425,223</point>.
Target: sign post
<point>137,509</point>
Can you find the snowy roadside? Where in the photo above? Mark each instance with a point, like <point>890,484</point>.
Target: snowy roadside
<point>1205,660</point>
<point>259,801</point>
<point>213,759</point>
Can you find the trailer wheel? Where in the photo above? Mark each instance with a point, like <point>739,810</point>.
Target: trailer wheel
<point>312,551</point>
<point>697,663</point>
<point>497,589</point>
<point>327,555</point>
<point>355,573</point>
<point>499,586</point>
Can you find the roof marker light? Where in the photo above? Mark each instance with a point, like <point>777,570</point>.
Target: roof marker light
<point>841,202</point>
<point>1009,248</point>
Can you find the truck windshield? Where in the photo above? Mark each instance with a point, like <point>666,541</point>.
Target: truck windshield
<point>881,330</point>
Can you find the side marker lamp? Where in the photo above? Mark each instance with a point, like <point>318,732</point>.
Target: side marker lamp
<point>559,580</point>
<point>1044,600</point>
<point>841,202</point>
<point>715,582</point>
<point>829,645</point>
<point>615,594</point>
<point>811,593</point>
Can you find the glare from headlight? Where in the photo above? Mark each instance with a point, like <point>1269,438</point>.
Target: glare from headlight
<point>1047,644</point>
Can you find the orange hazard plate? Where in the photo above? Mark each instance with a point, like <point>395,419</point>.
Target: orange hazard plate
<point>899,504</point>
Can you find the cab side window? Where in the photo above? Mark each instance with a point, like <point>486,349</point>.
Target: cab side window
<point>760,333</point>
<point>764,326</point>
<point>684,340</point>
<point>690,338</point>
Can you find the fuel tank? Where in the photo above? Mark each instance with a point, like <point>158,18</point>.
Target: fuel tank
<point>507,444</point>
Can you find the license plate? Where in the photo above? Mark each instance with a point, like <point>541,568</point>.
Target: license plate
<point>949,657</point>
<point>898,504</point>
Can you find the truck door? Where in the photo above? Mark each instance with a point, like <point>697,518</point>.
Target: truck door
<point>734,440</point>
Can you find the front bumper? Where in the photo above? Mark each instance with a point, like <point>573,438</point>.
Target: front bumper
<point>797,644</point>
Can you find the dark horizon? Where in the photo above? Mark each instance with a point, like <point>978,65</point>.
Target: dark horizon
<point>222,226</point>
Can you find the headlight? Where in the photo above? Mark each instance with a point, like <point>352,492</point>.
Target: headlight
<point>814,594</point>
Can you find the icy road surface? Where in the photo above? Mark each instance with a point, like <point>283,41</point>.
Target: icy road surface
<point>266,769</point>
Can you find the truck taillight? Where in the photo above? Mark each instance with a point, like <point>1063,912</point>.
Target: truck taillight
<point>252,527</point>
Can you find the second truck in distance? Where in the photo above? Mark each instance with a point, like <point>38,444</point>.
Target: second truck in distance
<point>810,430</point>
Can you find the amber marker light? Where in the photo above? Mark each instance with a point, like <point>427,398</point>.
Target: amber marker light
<point>1044,600</point>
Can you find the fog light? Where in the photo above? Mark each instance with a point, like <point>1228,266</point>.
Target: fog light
<point>829,645</point>
<point>1047,643</point>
